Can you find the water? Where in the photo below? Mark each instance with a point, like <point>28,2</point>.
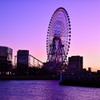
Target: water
<point>45,90</point>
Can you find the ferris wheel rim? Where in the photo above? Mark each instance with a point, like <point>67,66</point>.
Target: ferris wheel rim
<point>67,32</point>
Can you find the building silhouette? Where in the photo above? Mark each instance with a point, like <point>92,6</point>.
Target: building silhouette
<point>75,63</point>
<point>5,59</point>
<point>22,61</point>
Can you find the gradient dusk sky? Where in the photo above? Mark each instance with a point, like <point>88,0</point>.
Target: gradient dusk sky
<point>24,24</point>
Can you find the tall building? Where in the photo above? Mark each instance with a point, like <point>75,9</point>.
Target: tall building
<point>5,59</point>
<point>22,61</point>
<point>75,63</point>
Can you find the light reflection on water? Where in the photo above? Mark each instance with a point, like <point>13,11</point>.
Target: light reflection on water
<point>45,90</point>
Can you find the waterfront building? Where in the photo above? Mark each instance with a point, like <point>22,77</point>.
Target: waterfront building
<point>5,59</point>
<point>22,61</point>
<point>75,63</point>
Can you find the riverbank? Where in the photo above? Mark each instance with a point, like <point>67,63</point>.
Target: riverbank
<point>29,77</point>
<point>87,79</point>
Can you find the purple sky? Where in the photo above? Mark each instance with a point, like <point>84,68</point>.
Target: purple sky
<point>24,24</point>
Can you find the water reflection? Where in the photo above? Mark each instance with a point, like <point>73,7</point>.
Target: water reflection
<point>45,90</point>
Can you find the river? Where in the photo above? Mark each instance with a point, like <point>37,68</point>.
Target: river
<point>45,90</point>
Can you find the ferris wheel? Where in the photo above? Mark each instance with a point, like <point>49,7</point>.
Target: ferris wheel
<point>58,37</point>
